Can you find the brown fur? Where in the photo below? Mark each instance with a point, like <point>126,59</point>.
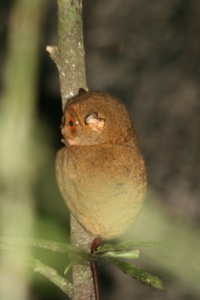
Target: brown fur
<point>102,176</point>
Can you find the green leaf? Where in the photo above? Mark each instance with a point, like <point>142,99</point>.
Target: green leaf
<point>40,243</point>
<point>70,265</point>
<point>52,275</point>
<point>134,254</point>
<point>75,256</point>
<point>129,245</point>
<point>137,273</point>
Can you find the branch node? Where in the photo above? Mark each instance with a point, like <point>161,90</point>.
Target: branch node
<point>49,49</point>
<point>53,51</point>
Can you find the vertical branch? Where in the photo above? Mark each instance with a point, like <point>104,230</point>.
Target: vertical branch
<point>82,275</point>
<point>69,55</point>
<point>70,60</point>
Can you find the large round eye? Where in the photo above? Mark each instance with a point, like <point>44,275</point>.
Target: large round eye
<point>72,123</point>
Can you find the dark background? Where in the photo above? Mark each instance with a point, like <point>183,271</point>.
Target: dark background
<point>148,54</point>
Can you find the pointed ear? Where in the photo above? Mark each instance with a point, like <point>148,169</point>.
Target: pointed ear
<point>81,91</point>
<point>94,122</point>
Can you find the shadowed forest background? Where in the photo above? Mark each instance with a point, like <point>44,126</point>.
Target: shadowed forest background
<point>147,53</point>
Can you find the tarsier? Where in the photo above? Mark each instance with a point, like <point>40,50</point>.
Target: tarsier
<point>100,171</point>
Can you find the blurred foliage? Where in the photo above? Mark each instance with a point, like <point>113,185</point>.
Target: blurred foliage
<point>120,255</point>
<point>22,146</point>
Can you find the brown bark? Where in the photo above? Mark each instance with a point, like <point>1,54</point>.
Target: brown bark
<point>70,60</point>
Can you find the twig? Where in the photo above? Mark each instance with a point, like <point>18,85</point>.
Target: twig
<point>52,275</point>
<point>70,60</point>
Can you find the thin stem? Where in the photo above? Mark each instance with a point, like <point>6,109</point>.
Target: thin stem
<point>82,274</point>
<point>69,57</point>
<point>52,275</point>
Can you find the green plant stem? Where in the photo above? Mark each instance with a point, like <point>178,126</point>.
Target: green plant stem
<point>17,122</point>
<point>52,275</point>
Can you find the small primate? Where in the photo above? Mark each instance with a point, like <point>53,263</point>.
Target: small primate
<point>100,171</point>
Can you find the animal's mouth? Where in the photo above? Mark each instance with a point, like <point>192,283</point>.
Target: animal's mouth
<point>68,142</point>
<point>65,142</point>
